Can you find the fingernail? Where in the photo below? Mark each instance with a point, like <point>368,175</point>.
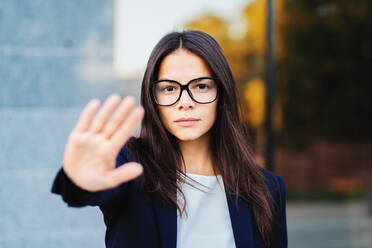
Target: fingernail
<point>115,96</point>
<point>130,99</point>
<point>141,110</point>
<point>95,101</point>
<point>137,167</point>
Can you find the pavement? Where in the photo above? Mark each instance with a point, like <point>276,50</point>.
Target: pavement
<point>329,225</point>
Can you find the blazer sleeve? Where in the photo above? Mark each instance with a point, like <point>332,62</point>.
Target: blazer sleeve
<point>75,196</point>
<point>282,236</point>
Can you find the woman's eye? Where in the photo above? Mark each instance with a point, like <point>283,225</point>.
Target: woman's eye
<point>168,88</point>
<point>202,86</point>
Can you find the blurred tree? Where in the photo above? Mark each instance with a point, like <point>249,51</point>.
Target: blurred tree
<point>254,96</point>
<point>254,99</point>
<point>211,24</point>
<point>324,71</point>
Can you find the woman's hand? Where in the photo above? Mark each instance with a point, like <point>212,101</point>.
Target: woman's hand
<point>93,145</point>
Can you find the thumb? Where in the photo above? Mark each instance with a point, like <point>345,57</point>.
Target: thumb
<point>125,173</point>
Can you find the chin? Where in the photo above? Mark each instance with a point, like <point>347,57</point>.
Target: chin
<point>188,136</point>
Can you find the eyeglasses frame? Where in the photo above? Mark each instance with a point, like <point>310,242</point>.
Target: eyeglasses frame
<point>183,87</point>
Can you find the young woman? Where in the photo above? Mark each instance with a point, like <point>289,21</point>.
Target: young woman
<point>190,179</point>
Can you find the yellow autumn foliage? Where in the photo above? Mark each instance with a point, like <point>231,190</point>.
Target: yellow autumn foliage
<point>254,96</point>
<point>255,13</point>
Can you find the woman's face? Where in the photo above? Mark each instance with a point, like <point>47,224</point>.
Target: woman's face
<point>183,66</point>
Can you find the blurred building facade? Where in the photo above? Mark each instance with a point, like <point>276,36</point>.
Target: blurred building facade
<point>55,56</point>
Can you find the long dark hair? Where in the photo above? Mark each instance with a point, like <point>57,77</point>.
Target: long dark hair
<point>158,151</point>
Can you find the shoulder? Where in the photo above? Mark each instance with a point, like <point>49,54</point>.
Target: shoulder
<point>271,179</point>
<point>276,185</point>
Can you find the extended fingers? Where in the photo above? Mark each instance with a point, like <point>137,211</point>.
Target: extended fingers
<point>104,113</point>
<point>119,116</point>
<point>126,129</point>
<point>86,115</point>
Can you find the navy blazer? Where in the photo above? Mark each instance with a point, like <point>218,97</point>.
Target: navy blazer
<point>133,220</point>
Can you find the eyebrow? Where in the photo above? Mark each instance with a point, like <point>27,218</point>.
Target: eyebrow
<point>165,79</point>
<point>179,82</point>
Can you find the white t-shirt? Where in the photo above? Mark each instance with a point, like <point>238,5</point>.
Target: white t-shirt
<point>207,223</point>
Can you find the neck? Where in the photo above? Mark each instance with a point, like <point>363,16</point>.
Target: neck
<point>197,156</point>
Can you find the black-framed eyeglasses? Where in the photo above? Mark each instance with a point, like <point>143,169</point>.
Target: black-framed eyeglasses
<point>202,90</point>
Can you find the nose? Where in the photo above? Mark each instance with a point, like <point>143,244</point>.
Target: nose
<point>185,100</point>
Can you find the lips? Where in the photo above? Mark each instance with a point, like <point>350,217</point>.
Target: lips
<point>186,119</point>
<point>186,122</point>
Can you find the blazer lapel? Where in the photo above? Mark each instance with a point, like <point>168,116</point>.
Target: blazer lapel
<point>241,221</point>
<point>166,216</point>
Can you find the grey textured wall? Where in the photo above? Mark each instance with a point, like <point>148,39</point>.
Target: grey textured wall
<point>54,57</point>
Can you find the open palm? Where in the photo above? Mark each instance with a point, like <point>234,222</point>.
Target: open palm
<point>93,145</point>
